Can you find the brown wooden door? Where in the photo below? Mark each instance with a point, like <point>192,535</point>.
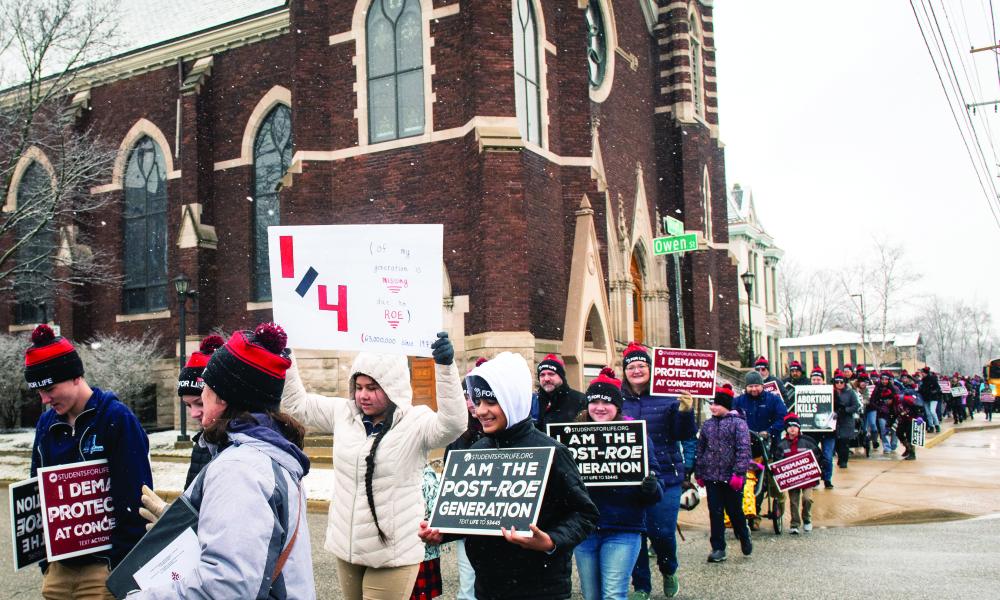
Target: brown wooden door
<point>422,381</point>
<point>638,334</point>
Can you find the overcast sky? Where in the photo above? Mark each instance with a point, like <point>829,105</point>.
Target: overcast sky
<point>832,114</point>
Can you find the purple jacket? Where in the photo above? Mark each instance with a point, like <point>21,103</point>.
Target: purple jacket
<point>723,448</point>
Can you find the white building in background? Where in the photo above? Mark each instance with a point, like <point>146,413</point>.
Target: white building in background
<point>757,253</point>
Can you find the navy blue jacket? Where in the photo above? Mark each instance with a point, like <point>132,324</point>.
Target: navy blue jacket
<point>666,425</point>
<point>623,507</point>
<point>764,413</point>
<point>105,429</point>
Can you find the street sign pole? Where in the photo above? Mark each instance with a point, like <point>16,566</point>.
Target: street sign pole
<point>678,301</point>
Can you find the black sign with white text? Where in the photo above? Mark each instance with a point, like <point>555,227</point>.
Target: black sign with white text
<point>26,528</point>
<point>814,405</point>
<point>608,452</point>
<point>484,490</point>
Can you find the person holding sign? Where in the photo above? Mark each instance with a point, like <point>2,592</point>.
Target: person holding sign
<point>516,566</point>
<point>800,500</point>
<point>669,421</point>
<point>764,413</point>
<point>908,412</point>
<point>252,530</point>
<point>605,559</point>
<point>763,366</point>
<point>83,424</point>
<point>723,460</point>
<point>380,447</point>
<point>555,401</point>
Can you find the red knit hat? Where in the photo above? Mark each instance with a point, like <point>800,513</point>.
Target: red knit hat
<point>636,352</point>
<point>552,363</point>
<point>50,359</point>
<point>761,362</point>
<point>792,420</point>
<point>838,374</point>
<point>606,387</point>
<point>724,396</point>
<point>795,365</point>
<point>817,371</point>
<point>190,382</point>
<point>249,370</point>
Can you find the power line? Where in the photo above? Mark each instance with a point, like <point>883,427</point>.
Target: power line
<point>990,197</point>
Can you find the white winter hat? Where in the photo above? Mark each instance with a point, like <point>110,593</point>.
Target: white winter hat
<point>510,379</point>
<point>390,371</point>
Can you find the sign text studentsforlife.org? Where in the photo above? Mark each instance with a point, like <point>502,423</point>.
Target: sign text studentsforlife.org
<point>676,370</point>
<point>374,288</point>
<point>26,528</point>
<point>606,453</point>
<point>918,433</point>
<point>814,405</point>
<point>76,508</point>
<point>484,490</point>
<point>795,472</point>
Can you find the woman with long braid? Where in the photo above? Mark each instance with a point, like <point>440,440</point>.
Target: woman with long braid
<point>380,447</point>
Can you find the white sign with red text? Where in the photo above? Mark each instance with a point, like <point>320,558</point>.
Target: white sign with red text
<point>676,370</point>
<point>358,287</point>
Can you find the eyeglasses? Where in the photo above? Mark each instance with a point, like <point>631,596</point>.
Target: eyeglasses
<point>634,367</point>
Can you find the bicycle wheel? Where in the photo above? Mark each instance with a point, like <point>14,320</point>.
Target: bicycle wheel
<point>777,516</point>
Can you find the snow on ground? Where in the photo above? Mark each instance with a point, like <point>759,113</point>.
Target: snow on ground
<point>168,476</point>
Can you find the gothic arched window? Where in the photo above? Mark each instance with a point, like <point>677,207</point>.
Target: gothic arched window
<point>272,154</point>
<point>394,35</point>
<point>145,229</point>
<point>526,76</point>
<point>33,275</point>
<point>597,43</point>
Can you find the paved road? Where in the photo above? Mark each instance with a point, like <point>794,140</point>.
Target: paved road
<point>885,562</point>
<point>953,559</point>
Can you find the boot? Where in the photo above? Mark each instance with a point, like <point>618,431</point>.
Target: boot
<point>911,456</point>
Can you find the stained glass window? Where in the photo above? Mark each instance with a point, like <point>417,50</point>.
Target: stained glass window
<point>33,277</point>
<point>394,32</point>
<point>597,43</point>
<point>145,229</point>
<point>526,89</point>
<point>272,154</point>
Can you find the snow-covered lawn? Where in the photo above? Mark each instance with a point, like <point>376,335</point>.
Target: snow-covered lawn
<point>168,476</point>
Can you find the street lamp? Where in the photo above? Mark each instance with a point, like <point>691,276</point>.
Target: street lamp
<point>748,279</point>
<point>181,286</point>
<point>864,352</point>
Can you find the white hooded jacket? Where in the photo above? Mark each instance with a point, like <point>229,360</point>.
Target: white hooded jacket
<point>399,461</point>
<point>510,379</point>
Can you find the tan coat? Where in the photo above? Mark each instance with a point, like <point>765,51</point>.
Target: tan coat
<point>351,533</point>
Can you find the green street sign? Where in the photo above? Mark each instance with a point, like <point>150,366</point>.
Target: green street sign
<point>675,244</point>
<point>673,226</point>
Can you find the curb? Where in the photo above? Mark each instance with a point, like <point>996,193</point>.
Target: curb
<point>934,441</point>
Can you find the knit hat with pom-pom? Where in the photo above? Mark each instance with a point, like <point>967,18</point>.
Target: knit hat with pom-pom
<point>607,388</point>
<point>552,363</point>
<point>248,371</point>
<point>636,352</point>
<point>190,381</point>
<point>50,359</point>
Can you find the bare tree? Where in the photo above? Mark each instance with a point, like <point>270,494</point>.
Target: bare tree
<point>810,302</point>
<point>47,162</point>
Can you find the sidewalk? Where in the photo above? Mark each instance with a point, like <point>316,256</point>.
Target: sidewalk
<point>956,476</point>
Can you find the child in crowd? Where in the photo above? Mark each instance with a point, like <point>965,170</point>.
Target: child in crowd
<point>605,559</point>
<point>538,566</point>
<point>428,584</point>
<point>723,459</point>
<point>801,498</point>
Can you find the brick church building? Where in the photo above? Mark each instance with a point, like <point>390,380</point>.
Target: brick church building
<point>550,137</point>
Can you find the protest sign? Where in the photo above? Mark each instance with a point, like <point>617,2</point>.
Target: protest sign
<point>607,453</point>
<point>358,287</point>
<point>814,405</point>
<point>676,371</point>
<point>484,490</point>
<point>945,386</point>
<point>772,386</point>
<point>26,529</point>
<point>796,472</point>
<point>987,397</point>
<point>959,391</point>
<point>918,433</point>
<point>76,508</point>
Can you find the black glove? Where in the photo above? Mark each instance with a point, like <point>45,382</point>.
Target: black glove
<point>442,350</point>
<point>649,484</point>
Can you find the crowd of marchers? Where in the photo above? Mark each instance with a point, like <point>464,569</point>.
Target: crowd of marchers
<point>245,476</point>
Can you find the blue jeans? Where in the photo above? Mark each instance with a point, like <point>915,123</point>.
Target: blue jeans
<point>466,575</point>
<point>661,530</point>
<point>932,418</point>
<point>828,444</point>
<point>871,424</point>
<point>605,561</point>
<point>887,434</point>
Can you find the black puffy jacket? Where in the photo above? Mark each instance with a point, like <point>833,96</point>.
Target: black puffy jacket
<point>568,515</point>
<point>561,406</point>
<point>200,457</point>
